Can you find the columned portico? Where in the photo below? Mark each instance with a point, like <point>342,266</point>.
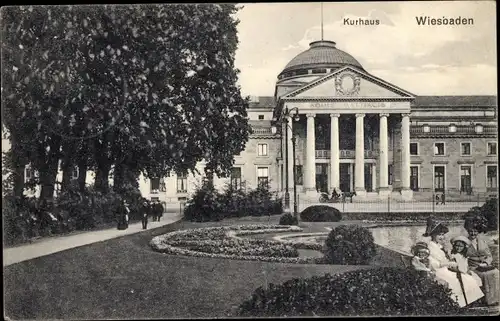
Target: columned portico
<point>383,156</point>
<point>310,177</point>
<point>359,175</point>
<point>406,192</point>
<point>343,140</point>
<point>334,153</point>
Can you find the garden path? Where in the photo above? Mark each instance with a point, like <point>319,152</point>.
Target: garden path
<point>60,243</point>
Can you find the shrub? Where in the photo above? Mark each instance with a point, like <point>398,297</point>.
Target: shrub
<point>288,219</point>
<point>15,223</point>
<point>321,213</point>
<point>382,291</point>
<point>349,244</point>
<point>205,205</point>
<point>484,218</point>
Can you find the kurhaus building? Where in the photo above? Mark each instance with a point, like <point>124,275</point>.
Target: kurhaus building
<point>357,132</point>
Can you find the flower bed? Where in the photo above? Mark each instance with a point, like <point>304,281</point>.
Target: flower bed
<point>224,242</point>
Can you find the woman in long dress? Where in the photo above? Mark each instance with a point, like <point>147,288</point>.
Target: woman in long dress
<point>446,270</point>
<point>480,259</point>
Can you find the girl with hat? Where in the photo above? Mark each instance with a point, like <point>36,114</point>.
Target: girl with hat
<point>420,260</point>
<point>464,291</point>
<point>459,254</point>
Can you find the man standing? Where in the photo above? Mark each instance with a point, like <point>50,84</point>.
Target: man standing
<point>145,213</point>
<point>159,210</point>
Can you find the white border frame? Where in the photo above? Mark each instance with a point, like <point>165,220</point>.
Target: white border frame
<point>460,176</point>
<point>470,148</point>
<point>488,149</point>
<point>433,187</point>
<point>434,151</point>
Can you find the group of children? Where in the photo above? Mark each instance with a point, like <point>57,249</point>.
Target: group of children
<point>422,261</point>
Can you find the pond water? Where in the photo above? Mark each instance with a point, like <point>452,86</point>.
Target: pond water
<point>398,238</point>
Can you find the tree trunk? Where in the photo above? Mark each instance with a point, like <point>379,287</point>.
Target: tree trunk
<point>66,180</point>
<point>69,152</point>
<point>119,177</point>
<point>48,180</point>
<point>19,164</point>
<point>103,166</point>
<point>82,175</point>
<point>49,171</point>
<point>18,176</point>
<point>101,177</point>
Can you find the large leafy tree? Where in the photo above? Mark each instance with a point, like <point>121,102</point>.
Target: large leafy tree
<point>146,88</point>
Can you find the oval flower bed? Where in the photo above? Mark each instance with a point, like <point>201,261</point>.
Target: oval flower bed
<point>224,242</point>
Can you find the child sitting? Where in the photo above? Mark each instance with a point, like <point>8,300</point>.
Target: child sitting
<point>459,255</point>
<point>420,260</point>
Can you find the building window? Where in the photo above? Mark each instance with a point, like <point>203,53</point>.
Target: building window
<point>439,149</point>
<point>262,150</point>
<point>154,185</point>
<point>439,178</point>
<point>413,148</point>
<point>182,182</point>
<point>29,173</point>
<point>466,179</point>
<point>261,117</point>
<point>414,178</point>
<point>491,178</point>
<point>299,175</point>
<point>263,176</point>
<point>465,149</point>
<point>75,173</point>
<point>492,148</point>
<point>236,177</point>
<point>390,176</point>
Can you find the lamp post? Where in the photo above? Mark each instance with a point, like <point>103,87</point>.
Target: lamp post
<point>283,119</point>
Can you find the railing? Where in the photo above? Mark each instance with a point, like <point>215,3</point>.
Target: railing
<point>261,131</point>
<point>442,130</point>
<point>344,153</point>
<point>421,202</point>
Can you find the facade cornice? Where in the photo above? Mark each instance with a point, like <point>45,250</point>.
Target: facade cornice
<point>334,99</point>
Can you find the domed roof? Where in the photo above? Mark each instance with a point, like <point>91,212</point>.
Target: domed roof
<point>321,54</point>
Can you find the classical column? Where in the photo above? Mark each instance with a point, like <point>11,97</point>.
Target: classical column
<point>359,176</point>
<point>334,152</point>
<point>310,172</point>
<point>406,192</point>
<point>383,157</point>
<point>290,154</point>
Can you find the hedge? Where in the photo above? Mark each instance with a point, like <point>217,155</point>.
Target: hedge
<point>373,292</point>
<point>320,213</point>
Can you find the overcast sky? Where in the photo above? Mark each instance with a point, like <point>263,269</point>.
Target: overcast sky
<point>425,60</point>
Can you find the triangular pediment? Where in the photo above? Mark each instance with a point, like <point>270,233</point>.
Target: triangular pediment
<point>349,82</point>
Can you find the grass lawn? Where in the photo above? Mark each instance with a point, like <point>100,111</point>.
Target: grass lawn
<point>124,278</point>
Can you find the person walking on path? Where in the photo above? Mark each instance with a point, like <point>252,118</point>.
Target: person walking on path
<point>122,215</point>
<point>145,213</point>
<point>159,210</point>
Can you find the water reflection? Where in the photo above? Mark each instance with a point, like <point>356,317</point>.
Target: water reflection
<point>402,238</point>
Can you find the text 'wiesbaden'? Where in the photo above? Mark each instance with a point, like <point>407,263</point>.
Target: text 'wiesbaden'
<point>443,21</point>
